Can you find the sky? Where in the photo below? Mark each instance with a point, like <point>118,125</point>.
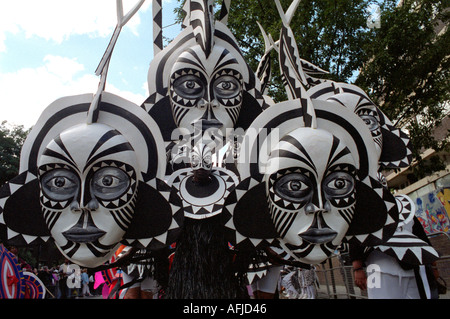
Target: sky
<point>51,49</point>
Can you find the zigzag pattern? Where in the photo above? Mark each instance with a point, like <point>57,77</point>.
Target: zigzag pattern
<point>233,235</point>
<point>390,225</point>
<point>293,76</point>
<point>171,234</point>
<point>204,206</point>
<point>157,26</point>
<point>405,162</point>
<point>263,71</point>
<point>5,192</point>
<point>202,23</point>
<point>127,196</point>
<point>407,248</point>
<point>290,65</point>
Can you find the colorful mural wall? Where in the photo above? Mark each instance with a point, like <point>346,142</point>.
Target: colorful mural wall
<point>432,211</point>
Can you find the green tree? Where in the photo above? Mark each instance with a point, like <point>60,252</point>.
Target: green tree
<point>11,141</point>
<point>408,72</point>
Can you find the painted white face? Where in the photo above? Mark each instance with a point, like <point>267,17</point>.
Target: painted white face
<point>88,178</point>
<point>206,93</point>
<point>311,190</point>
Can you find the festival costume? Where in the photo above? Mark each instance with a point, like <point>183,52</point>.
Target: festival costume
<point>208,162</point>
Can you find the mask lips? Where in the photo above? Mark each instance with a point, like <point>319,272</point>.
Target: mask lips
<point>318,235</point>
<point>84,231</point>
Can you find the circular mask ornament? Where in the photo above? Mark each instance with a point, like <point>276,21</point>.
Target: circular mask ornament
<point>205,199</point>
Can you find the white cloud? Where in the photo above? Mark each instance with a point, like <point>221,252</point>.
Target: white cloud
<point>27,92</point>
<point>57,20</point>
<point>62,68</point>
<point>130,96</point>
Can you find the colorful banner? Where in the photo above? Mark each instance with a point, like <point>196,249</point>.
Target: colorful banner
<point>432,211</point>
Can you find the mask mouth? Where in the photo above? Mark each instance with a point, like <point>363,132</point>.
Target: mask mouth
<point>318,235</point>
<point>84,231</point>
<point>207,124</point>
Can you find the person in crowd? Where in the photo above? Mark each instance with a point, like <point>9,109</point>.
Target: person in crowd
<point>85,291</point>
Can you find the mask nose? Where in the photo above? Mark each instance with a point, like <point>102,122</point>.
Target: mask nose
<point>210,103</point>
<point>318,204</point>
<point>85,201</point>
<point>93,205</point>
<point>208,118</point>
<point>311,208</point>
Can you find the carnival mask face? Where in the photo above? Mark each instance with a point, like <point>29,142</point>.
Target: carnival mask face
<point>311,190</point>
<point>206,92</point>
<point>88,178</point>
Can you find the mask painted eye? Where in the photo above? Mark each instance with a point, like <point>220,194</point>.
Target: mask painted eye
<point>338,184</point>
<point>370,121</point>
<point>189,86</point>
<point>207,162</point>
<point>109,183</point>
<point>294,187</point>
<point>195,161</point>
<point>60,184</point>
<point>227,87</point>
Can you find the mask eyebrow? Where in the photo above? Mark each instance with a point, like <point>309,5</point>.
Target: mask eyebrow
<point>193,59</point>
<point>333,156</point>
<point>113,149</point>
<point>66,157</point>
<point>123,147</point>
<point>301,154</point>
<point>106,137</point>
<point>222,62</point>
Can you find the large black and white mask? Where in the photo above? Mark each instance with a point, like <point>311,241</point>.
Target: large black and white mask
<point>88,180</point>
<point>310,183</point>
<point>206,91</point>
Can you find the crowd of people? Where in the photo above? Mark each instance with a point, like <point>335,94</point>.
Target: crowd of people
<point>67,281</point>
<point>70,282</point>
<point>55,280</point>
